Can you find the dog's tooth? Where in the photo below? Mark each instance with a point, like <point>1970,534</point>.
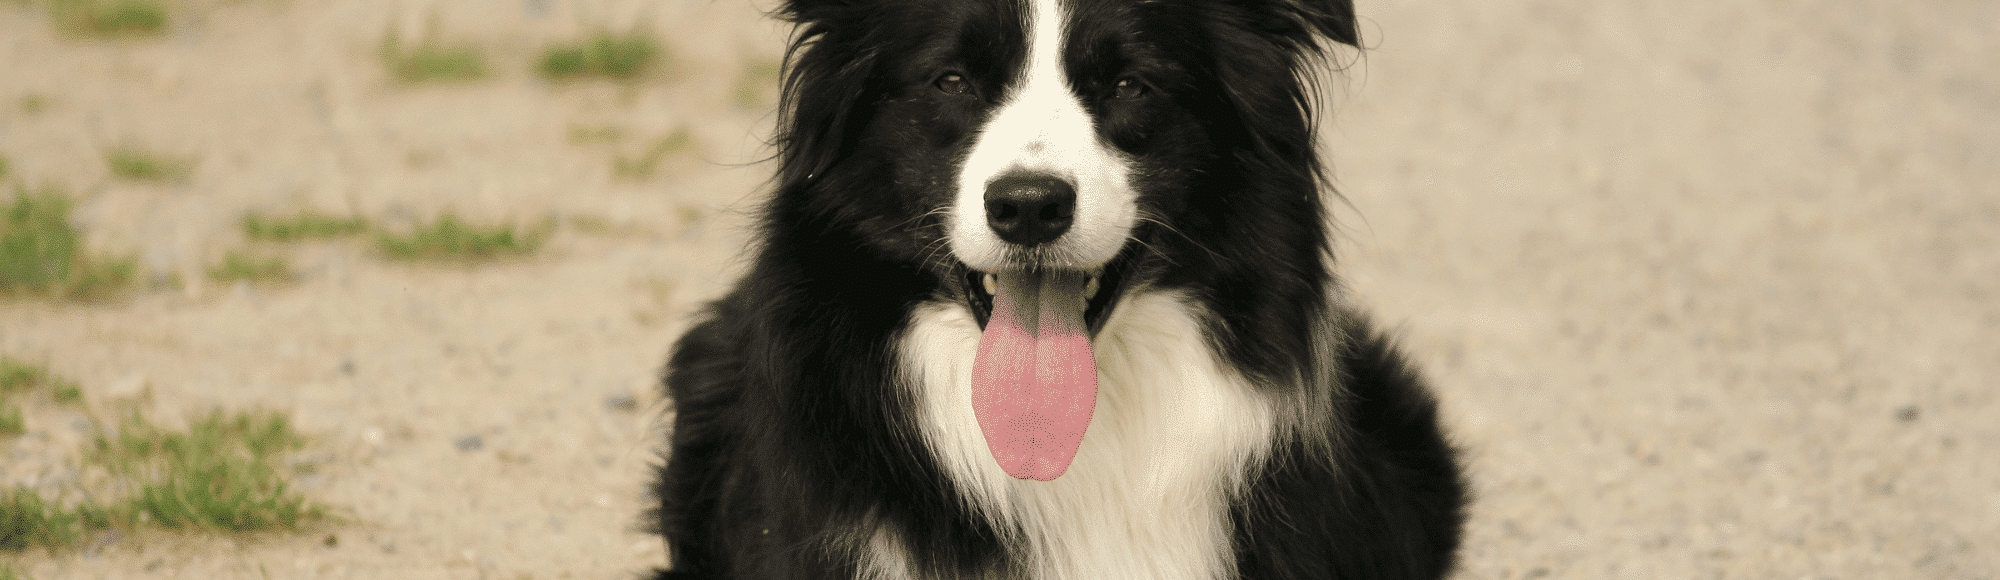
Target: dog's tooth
<point>1090,289</point>
<point>991,283</point>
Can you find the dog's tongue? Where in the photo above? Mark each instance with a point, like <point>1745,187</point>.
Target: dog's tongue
<point>1034,383</point>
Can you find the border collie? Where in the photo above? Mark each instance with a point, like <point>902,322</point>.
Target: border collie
<point>1044,292</point>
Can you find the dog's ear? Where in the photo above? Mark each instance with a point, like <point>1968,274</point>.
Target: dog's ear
<point>808,11</point>
<point>1333,19</point>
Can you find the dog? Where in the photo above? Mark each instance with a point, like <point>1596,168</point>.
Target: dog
<point>1043,291</point>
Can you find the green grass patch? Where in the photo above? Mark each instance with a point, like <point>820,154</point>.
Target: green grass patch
<point>66,393</point>
<point>622,57</point>
<point>11,421</point>
<point>17,377</point>
<point>450,239</point>
<point>240,265</point>
<point>222,474</point>
<point>430,60</point>
<point>20,377</point>
<point>134,164</point>
<point>41,254</point>
<point>225,472</point>
<point>110,17</point>
<point>3,165</point>
<point>647,162</point>
<point>307,224</point>
<point>28,520</point>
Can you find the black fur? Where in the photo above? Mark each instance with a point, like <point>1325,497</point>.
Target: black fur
<point>792,437</point>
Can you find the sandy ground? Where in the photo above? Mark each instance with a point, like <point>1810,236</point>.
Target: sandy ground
<point>1710,290</point>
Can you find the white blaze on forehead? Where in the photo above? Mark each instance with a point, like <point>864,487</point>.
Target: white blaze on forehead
<point>1041,127</point>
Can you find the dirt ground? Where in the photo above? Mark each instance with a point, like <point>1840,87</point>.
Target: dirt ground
<point>1709,290</point>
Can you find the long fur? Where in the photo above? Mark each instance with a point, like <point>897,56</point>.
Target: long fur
<point>1250,423</point>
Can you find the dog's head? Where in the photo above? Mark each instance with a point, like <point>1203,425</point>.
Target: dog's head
<point>1043,157</point>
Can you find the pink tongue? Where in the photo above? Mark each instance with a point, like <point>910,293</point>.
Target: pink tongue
<point>1034,383</point>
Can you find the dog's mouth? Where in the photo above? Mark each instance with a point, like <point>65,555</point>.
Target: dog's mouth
<point>1098,290</point>
<point>1034,377</point>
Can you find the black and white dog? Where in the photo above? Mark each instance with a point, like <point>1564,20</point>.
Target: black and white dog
<point>1043,292</point>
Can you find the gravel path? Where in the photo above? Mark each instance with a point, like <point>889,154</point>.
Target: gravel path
<point>1710,290</point>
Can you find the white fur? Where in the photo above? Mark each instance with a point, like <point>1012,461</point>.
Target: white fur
<point>885,559</point>
<point>1042,128</point>
<point>1175,428</point>
<point>1148,494</point>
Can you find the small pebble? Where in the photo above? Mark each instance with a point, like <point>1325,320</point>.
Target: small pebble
<point>1907,414</point>
<point>469,443</point>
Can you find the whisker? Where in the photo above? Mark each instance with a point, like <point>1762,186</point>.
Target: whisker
<point>920,216</point>
<point>934,252</point>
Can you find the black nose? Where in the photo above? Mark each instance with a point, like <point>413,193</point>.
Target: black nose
<point>1030,208</point>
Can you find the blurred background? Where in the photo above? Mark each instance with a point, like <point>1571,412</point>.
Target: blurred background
<point>1709,290</point>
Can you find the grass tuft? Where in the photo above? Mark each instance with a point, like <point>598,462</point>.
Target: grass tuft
<point>40,253</point>
<point>28,520</point>
<point>225,472</point>
<point>110,17</point>
<point>431,61</point>
<point>604,54</point>
<point>307,224</point>
<point>133,164</point>
<point>37,244</point>
<point>66,393</point>
<point>18,377</point>
<point>221,474</point>
<point>239,265</point>
<point>11,421</point>
<point>453,240</point>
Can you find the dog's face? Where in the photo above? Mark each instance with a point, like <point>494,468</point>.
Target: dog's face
<point>1047,181</point>
<point>1098,138</point>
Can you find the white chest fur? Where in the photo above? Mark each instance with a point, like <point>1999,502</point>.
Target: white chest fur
<point>1148,493</point>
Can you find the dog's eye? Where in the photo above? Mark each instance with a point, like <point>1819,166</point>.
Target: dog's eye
<point>953,84</point>
<point>1128,88</point>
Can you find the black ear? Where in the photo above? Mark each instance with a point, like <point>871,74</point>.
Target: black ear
<point>1333,19</point>
<point>798,11</point>
<point>809,11</point>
